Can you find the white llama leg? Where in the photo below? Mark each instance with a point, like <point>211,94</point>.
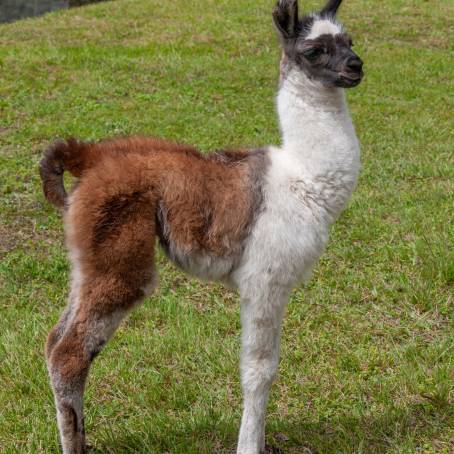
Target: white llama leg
<point>261,318</point>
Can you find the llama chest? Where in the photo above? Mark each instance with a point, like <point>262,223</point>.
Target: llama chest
<point>325,196</point>
<point>285,243</point>
<point>292,230</point>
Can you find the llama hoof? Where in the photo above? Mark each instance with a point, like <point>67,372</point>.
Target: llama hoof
<point>272,450</point>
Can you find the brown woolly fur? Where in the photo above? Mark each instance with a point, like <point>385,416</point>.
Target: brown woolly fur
<point>132,189</point>
<point>203,199</point>
<point>131,192</point>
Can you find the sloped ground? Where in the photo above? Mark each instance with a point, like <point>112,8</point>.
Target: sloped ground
<point>368,348</point>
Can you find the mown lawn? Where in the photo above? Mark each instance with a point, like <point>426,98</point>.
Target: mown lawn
<point>368,346</point>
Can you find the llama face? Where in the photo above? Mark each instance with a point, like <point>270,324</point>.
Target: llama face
<point>329,59</point>
<point>317,45</point>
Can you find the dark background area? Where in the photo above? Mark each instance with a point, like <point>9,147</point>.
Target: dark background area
<point>11,10</point>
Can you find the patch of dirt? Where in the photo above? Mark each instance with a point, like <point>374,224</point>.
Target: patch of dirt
<point>7,242</point>
<point>21,231</point>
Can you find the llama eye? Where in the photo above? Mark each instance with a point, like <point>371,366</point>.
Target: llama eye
<point>312,54</point>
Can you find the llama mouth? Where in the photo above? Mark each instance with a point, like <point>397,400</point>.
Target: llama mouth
<point>352,76</point>
<point>349,80</point>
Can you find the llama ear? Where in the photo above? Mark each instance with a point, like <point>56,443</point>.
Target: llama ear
<point>331,8</point>
<point>285,17</point>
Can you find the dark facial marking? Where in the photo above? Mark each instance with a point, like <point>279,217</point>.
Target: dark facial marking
<point>328,59</point>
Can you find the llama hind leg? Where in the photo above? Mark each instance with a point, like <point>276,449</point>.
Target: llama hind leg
<point>100,309</point>
<point>57,331</point>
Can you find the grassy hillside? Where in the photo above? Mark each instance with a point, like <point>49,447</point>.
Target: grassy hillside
<point>368,346</point>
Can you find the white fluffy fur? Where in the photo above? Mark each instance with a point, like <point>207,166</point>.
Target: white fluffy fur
<point>324,27</point>
<point>308,184</point>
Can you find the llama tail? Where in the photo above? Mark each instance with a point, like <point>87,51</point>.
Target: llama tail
<point>70,155</point>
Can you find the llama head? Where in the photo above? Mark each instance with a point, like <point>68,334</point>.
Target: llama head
<point>317,45</point>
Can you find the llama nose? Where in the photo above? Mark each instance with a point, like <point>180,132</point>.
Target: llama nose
<point>354,63</point>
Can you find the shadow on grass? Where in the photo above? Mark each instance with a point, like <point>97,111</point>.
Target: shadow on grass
<point>400,429</point>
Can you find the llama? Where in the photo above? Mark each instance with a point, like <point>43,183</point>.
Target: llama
<point>256,220</point>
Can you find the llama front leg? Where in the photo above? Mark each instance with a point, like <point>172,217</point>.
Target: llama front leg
<point>261,318</point>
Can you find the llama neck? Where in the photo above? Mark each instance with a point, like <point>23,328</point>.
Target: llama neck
<point>319,157</point>
<point>316,126</point>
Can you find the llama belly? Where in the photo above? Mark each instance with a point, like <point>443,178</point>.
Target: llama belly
<point>203,265</point>
<point>205,259</point>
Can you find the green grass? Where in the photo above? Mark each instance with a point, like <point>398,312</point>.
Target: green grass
<point>368,346</point>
